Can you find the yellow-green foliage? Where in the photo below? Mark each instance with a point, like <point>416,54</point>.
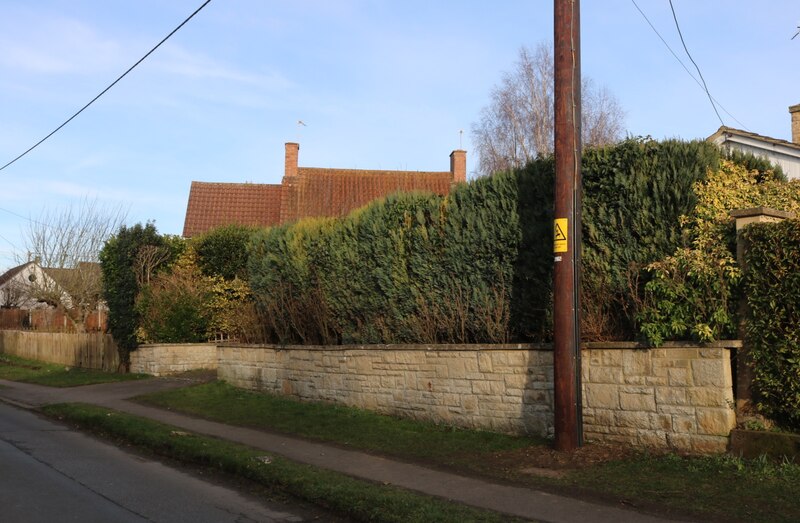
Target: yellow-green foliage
<point>694,292</point>
<point>229,308</point>
<point>173,306</point>
<point>184,305</point>
<point>734,187</point>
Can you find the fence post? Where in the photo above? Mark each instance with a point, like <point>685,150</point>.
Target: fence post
<point>743,372</point>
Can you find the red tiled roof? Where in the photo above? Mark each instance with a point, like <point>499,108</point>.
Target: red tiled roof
<point>215,204</point>
<point>304,192</point>
<point>336,192</point>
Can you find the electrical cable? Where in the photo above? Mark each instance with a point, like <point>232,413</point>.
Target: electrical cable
<point>37,144</point>
<point>24,217</point>
<point>9,242</point>
<point>693,77</point>
<point>710,99</point>
<point>9,255</point>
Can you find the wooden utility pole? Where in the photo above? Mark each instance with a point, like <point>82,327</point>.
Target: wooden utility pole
<point>567,226</point>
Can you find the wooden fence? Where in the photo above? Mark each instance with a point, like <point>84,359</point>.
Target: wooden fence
<point>88,350</point>
<point>49,320</point>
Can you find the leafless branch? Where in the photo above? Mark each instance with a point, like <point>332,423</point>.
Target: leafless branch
<point>66,244</point>
<point>517,125</point>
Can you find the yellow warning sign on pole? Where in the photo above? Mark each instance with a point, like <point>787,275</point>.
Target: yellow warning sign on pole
<point>560,235</point>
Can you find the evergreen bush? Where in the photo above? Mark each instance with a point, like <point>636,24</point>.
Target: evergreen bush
<point>476,265</point>
<point>120,261</point>
<point>634,194</point>
<point>223,251</point>
<point>772,288</point>
<point>694,292</point>
<point>174,306</point>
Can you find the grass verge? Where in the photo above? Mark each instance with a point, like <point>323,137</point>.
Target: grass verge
<point>347,426</point>
<point>336,492</point>
<point>721,488</point>
<point>55,375</point>
<point>724,487</point>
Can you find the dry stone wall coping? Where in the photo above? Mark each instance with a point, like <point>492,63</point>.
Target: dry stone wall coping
<point>610,345</point>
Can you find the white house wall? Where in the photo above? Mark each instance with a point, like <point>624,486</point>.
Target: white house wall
<point>788,159</point>
<point>22,280</point>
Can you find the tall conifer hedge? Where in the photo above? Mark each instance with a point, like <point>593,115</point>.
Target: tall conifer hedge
<point>475,266</point>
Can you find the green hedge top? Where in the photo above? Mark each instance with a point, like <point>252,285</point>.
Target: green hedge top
<point>475,266</point>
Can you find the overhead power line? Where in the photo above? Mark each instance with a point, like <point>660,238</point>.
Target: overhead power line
<point>9,242</point>
<point>692,76</point>
<point>710,99</point>
<point>131,68</point>
<point>24,217</point>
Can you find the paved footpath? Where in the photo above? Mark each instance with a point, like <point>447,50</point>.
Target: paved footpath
<point>517,501</point>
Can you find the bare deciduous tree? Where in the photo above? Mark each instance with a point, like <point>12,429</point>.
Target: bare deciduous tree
<point>66,244</point>
<point>147,262</point>
<point>12,296</point>
<point>517,126</point>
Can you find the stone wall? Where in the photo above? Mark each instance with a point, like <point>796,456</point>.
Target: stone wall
<point>503,388</point>
<point>172,358</point>
<point>678,396</point>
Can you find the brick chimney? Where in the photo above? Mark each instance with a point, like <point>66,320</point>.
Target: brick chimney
<point>289,184</point>
<point>458,165</point>
<point>794,110</point>
<point>290,163</point>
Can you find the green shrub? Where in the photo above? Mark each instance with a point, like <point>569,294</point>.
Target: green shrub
<point>386,274</point>
<point>285,286</point>
<point>174,306</point>
<point>133,254</point>
<point>694,292</point>
<point>476,265</point>
<point>634,194</point>
<point>767,171</point>
<point>692,295</point>
<point>223,251</point>
<point>772,288</point>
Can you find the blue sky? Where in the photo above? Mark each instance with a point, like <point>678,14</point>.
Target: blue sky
<point>380,84</point>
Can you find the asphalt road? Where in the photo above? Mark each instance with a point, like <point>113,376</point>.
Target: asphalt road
<point>50,473</point>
